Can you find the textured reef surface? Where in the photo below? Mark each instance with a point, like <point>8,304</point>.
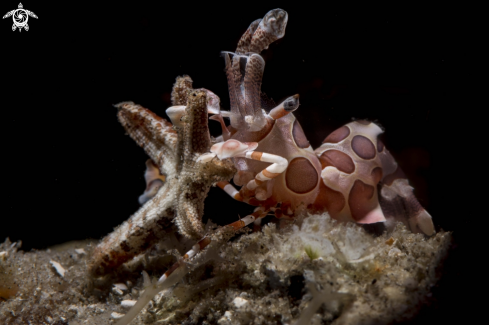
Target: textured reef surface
<point>318,272</point>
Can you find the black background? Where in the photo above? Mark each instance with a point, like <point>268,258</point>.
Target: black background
<point>69,171</point>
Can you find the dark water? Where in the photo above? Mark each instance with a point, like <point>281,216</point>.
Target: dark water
<point>69,172</point>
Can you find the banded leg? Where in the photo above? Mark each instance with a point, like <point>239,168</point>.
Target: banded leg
<point>230,190</point>
<point>235,148</point>
<point>278,166</point>
<point>354,163</point>
<point>286,107</point>
<point>181,268</point>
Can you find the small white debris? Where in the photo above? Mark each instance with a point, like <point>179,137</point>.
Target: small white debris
<point>96,308</point>
<point>146,279</point>
<point>121,286</point>
<point>117,291</point>
<point>115,315</point>
<point>74,309</point>
<point>49,319</point>
<point>225,318</point>
<point>128,303</point>
<point>244,295</point>
<point>61,271</point>
<point>239,302</point>
<point>393,293</point>
<point>395,252</point>
<point>80,251</point>
<point>3,255</point>
<point>249,119</point>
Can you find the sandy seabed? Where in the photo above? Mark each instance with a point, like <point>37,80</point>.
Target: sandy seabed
<point>320,272</point>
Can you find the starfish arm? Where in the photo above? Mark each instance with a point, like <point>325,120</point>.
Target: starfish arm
<point>154,134</point>
<point>180,90</point>
<point>179,96</point>
<point>193,186</point>
<point>196,139</point>
<point>191,209</point>
<point>182,194</point>
<point>148,225</point>
<point>196,177</point>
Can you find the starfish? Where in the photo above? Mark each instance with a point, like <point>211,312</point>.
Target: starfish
<point>179,195</point>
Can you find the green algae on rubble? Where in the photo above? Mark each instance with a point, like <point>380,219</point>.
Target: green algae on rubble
<point>319,272</point>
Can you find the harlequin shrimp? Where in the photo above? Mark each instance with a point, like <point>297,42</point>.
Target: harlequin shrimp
<point>351,175</point>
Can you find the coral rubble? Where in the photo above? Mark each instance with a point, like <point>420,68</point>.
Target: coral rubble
<point>319,272</point>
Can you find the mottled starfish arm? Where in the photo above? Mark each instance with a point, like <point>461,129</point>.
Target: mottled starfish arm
<point>193,190</point>
<point>151,132</point>
<point>271,28</point>
<point>180,90</point>
<point>179,96</point>
<point>196,176</point>
<point>190,209</point>
<point>148,225</point>
<point>197,139</point>
<point>193,185</point>
<point>245,41</point>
